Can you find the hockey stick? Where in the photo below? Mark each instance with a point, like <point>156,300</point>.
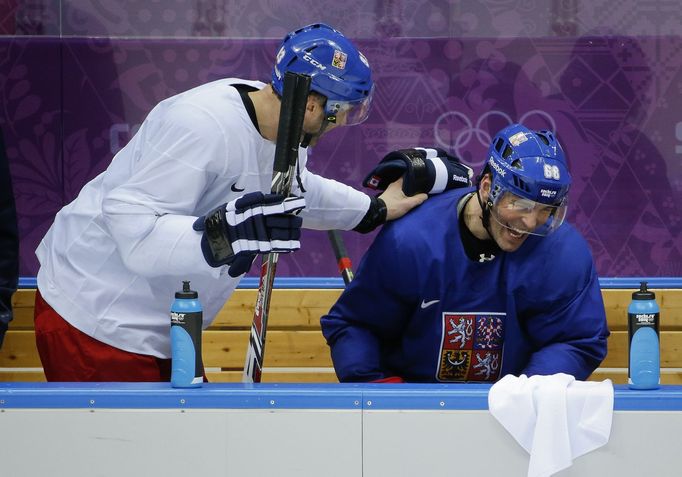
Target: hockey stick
<point>342,258</point>
<point>294,98</point>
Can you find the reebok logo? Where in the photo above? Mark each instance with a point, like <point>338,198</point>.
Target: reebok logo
<point>426,304</point>
<point>486,258</point>
<point>496,166</point>
<point>457,178</point>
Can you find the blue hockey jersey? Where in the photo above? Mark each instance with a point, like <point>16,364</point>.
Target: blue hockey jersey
<point>421,310</point>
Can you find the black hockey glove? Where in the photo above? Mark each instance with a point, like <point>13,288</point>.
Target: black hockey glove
<point>426,170</point>
<point>255,223</point>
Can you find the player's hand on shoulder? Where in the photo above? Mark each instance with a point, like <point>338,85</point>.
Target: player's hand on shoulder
<point>255,223</point>
<point>407,175</point>
<point>397,203</point>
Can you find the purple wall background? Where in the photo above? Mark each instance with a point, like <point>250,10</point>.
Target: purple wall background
<point>77,77</point>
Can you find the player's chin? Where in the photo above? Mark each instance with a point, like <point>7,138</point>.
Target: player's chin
<point>314,140</point>
<point>510,240</point>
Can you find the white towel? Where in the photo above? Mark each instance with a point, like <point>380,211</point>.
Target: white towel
<point>555,418</point>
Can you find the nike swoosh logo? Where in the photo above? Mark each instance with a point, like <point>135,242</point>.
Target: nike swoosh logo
<point>234,188</point>
<point>426,304</point>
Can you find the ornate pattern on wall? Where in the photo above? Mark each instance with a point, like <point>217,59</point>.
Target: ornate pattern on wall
<point>449,74</point>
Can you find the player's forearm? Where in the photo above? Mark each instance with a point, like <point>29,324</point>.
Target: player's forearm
<point>578,359</point>
<point>357,370</point>
<point>355,351</point>
<point>330,204</point>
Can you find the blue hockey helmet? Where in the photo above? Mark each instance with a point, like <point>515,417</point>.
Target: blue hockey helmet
<point>337,69</point>
<point>529,173</point>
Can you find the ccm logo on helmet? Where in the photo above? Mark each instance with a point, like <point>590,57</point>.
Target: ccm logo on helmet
<point>496,166</point>
<point>314,62</point>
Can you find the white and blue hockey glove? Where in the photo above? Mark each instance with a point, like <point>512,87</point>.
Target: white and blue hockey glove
<point>424,170</point>
<point>256,223</point>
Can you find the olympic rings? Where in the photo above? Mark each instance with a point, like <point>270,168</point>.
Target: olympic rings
<point>463,135</point>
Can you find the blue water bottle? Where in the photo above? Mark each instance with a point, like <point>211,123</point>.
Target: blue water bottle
<point>644,371</point>
<point>187,369</point>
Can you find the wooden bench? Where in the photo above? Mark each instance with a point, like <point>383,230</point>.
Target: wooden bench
<point>297,352</point>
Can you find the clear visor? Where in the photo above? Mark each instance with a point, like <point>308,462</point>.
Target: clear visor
<point>526,216</point>
<point>348,113</point>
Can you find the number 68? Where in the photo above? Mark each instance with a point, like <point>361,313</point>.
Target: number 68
<point>552,172</point>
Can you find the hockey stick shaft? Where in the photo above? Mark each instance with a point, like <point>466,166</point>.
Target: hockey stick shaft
<point>292,111</point>
<point>342,258</point>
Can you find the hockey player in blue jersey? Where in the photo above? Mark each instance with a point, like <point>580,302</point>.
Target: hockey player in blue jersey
<point>477,283</point>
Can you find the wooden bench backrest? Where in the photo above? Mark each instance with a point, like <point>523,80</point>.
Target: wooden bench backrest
<point>296,350</point>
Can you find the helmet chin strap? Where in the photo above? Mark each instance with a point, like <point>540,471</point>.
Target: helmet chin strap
<point>485,214</point>
<point>486,208</point>
<point>307,137</point>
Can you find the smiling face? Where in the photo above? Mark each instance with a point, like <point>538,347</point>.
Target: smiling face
<point>513,218</point>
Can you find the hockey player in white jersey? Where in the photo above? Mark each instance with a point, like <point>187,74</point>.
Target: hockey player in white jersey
<point>113,258</point>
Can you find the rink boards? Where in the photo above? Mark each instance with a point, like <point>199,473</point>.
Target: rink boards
<point>113,429</point>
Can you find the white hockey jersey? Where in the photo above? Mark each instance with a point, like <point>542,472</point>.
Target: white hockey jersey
<point>114,257</point>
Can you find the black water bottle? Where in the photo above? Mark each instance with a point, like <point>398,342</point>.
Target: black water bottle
<point>187,369</point>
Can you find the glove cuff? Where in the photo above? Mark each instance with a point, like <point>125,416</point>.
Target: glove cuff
<point>447,174</point>
<point>215,244</point>
<point>375,216</point>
